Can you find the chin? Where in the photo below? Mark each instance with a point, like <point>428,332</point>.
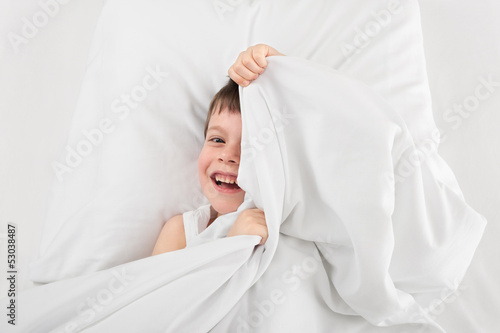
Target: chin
<point>224,208</point>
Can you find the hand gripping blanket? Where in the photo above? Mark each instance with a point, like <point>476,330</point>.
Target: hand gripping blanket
<point>367,230</point>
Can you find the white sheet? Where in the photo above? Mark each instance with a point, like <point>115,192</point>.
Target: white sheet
<point>322,172</point>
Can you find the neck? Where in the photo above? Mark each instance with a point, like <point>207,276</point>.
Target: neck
<point>213,215</point>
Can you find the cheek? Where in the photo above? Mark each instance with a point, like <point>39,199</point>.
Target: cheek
<point>203,162</point>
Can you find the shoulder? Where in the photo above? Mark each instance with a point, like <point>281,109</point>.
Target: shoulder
<point>177,219</point>
<point>175,224</point>
<point>172,236</point>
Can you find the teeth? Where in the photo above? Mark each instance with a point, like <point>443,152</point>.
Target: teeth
<point>226,179</point>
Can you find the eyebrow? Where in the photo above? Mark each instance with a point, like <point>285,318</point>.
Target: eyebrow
<point>216,128</point>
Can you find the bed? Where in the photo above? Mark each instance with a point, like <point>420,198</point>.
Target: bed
<point>412,53</point>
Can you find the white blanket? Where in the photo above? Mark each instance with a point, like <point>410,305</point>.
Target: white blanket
<point>366,228</point>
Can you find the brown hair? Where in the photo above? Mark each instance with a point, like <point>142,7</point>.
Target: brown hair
<point>227,97</point>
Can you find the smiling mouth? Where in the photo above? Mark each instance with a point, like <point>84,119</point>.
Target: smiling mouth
<point>225,183</point>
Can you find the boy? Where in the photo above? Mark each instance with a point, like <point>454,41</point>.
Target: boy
<point>219,160</point>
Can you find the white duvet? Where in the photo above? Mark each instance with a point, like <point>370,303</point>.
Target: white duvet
<point>368,230</point>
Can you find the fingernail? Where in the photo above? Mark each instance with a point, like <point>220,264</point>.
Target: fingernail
<point>245,83</point>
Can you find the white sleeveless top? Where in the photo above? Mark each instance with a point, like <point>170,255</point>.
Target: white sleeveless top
<point>196,221</point>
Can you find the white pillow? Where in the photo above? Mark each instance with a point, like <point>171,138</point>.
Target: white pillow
<point>131,158</point>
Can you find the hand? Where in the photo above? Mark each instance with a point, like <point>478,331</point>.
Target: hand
<point>250,222</point>
<point>250,64</point>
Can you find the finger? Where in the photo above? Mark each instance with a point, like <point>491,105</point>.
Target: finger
<point>259,54</point>
<point>261,222</point>
<point>261,213</point>
<point>243,73</point>
<point>258,213</point>
<point>264,234</point>
<point>246,67</point>
<point>273,52</point>
<point>260,219</point>
<point>252,60</point>
<point>237,78</point>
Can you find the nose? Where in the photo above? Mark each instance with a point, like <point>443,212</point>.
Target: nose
<point>230,154</point>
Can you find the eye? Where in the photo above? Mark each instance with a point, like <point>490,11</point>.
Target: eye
<point>217,140</point>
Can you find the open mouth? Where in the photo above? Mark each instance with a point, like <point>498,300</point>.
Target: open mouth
<point>225,183</point>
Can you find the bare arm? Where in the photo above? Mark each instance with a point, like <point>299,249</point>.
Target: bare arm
<point>172,236</point>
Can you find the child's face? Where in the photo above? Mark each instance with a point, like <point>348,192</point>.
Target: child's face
<point>219,162</point>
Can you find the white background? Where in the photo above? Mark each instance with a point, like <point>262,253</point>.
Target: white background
<point>39,86</point>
